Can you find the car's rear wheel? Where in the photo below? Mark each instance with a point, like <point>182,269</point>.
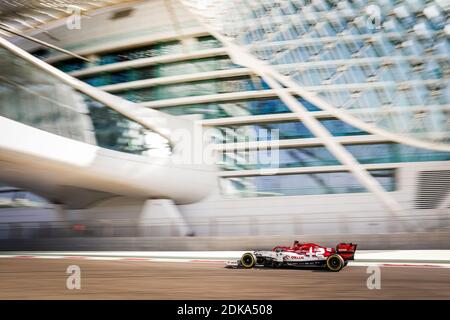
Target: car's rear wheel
<point>335,263</point>
<point>248,260</point>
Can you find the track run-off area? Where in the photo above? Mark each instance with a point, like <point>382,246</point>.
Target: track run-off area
<point>202,275</point>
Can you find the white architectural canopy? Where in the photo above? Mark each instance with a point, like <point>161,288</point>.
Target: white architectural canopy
<point>48,146</point>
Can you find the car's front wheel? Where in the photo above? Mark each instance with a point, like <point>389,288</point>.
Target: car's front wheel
<point>248,260</point>
<point>335,263</point>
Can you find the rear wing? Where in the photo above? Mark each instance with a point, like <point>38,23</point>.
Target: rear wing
<point>346,250</point>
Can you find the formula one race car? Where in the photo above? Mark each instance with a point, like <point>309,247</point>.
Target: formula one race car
<point>300,254</point>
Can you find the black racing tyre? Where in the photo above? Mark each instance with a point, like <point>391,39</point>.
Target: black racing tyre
<point>248,260</point>
<point>335,263</point>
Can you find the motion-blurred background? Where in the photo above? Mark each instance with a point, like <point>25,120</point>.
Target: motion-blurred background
<point>368,161</point>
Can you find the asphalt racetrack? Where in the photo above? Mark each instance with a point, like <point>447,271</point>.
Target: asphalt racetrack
<point>24,278</point>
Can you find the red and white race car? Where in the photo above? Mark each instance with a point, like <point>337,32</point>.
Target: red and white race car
<point>299,254</point>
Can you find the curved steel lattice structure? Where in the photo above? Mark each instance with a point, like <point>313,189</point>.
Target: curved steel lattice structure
<point>382,65</point>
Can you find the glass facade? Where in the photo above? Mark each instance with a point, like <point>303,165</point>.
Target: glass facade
<point>280,130</point>
<point>70,65</point>
<point>236,108</point>
<point>302,184</point>
<point>34,97</point>
<point>320,156</point>
<point>116,132</point>
<point>208,42</point>
<point>147,51</point>
<point>158,49</point>
<point>371,56</point>
<point>160,70</point>
<point>365,73</point>
<point>12,197</point>
<point>30,96</point>
<point>197,88</point>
